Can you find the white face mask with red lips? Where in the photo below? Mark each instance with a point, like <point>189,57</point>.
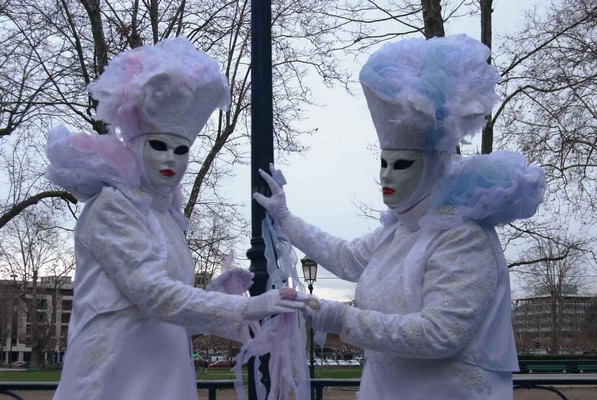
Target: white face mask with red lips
<point>400,175</point>
<point>165,160</point>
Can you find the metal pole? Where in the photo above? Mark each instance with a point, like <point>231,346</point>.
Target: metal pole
<point>311,350</point>
<point>262,137</point>
<point>10,352</point>
<point>262,151</point>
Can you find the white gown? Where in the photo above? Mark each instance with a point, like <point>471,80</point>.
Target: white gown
<point>134,305</point>
<point>433,307</point>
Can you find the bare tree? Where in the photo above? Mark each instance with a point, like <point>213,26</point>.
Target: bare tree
<point>548,113</point>
<point>32,247</point>
<point>374,21</point>
<point>549,91</point>
<point>558,270</point>
<point>212,242</point>
<point>548,108</point>
<point>22,160</point>
<point>589,327</point>
<point>59,47</point>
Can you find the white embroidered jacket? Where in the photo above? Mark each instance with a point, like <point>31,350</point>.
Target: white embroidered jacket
<point>433,307</point>
<point>134,305</point>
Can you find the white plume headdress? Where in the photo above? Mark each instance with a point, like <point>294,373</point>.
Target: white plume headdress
<point>429,94</point>
<point>169,87</point>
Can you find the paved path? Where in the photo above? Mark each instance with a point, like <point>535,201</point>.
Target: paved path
<point>572,393</point>
<point>338,394</point>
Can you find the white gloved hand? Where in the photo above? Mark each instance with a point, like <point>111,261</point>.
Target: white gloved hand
<point>276,204</point>
<point>326,315</point>
<point>232,281</point>
<point>270,303</point>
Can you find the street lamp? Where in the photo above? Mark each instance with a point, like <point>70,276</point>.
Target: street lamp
<point>310,275</point>
<point>262,154</point>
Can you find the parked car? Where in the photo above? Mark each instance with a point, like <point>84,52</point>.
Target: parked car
<point>330,363</point>
<point>21,364</point>
<point>221,364</point>
<point>354,363</point>
<point>343,363</point>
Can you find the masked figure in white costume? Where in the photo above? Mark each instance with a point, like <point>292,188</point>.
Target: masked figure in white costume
<point>134,305</point>
<point>433,296</point>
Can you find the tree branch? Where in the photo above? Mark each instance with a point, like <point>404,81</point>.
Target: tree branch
<point>19,207</point>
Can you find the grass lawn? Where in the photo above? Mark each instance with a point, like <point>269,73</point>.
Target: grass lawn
<point>31,376</point>
<point>213,374</point>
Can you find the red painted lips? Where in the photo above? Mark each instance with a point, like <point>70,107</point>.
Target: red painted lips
<point>167,172</point>
<point>387,190</point>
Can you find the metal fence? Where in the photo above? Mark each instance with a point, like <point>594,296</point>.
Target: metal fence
<point>548,383</point>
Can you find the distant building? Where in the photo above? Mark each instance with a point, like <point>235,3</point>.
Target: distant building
<point>55,299</point>
<point>533,323</point>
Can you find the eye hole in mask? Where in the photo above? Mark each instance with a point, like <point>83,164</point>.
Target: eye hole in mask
<point>398,164</point>
<point>158,145</point>
<point>180,150</point>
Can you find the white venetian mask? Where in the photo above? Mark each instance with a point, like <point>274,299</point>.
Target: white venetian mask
<point>165,160</point>
<point>400,174</point>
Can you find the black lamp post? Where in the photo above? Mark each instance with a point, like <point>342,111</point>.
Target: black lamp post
<point>262,153</point>
<point>310,275</point>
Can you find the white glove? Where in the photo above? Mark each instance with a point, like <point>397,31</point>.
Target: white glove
<point>326,315</point>
<point>276,204</point>
<point>270,303</point>
<point>232,281</point>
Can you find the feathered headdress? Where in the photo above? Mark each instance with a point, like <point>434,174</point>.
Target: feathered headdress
<point>429,94</point>
<point>169,87</point>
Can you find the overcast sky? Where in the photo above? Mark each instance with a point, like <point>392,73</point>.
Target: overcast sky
<point>342,164</point>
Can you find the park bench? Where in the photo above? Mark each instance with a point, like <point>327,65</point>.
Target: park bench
<point>587,368</point>
<point>546,368</point>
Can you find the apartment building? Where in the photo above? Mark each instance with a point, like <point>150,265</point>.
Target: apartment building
<point>53,305</point>
<point>536,318</point>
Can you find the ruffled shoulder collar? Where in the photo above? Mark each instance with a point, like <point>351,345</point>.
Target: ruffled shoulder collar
<point>83,163</point>
<point>492,189</point>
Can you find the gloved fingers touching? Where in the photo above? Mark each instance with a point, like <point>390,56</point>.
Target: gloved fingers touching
<point>270,303</point>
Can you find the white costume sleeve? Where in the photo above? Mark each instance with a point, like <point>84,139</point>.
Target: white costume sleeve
<point>461,276</point>
<point>117,235</point>
<point>346,259</point>
<point>222,327</point>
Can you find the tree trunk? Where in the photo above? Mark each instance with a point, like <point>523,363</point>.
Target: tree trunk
<point>34,319</point>
<point>486,36</point>
<point>432,18</point>
<point>101,52</point>
<point>97,29</point>
<point>555,327</point>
